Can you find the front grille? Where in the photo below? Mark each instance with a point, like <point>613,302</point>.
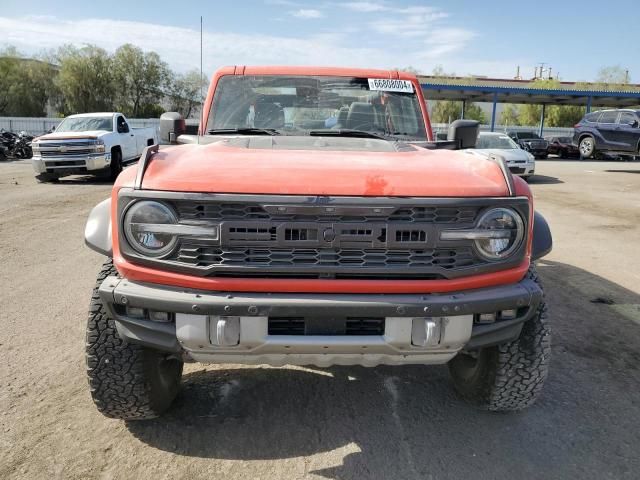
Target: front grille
<point>66,163</point>
<point>349,326</point>
<point>68,153</point>
<point>241,211</point>
<point>272,258</point>
<point>302,237</point>
<point>516,169</point>
<point>64,149</point>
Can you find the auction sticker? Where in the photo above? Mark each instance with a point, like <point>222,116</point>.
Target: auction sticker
<point>390,85</point>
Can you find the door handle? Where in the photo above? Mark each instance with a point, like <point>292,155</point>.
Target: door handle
<point>132,134</point>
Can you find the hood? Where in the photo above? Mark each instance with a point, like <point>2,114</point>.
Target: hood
<point>272,166</point>
<point>72,135</point>
<point>509,154</point>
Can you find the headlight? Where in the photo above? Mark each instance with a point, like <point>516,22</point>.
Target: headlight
<point>99,146</point>
<point>499,233</point>
<point>148,228</point>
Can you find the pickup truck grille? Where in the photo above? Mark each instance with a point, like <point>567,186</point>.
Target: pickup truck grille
<point>325,238</point>
<point>63,149</point>
<point>537,144</point>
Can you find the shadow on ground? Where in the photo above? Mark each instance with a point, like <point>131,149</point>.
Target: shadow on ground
<point>623,171</point>
<point>543,180</point>
<point>395,422</point>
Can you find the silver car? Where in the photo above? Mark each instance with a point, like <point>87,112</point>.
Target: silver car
<point>519,161</point>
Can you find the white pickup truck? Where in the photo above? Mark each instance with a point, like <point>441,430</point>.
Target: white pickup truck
<point>95,143</point>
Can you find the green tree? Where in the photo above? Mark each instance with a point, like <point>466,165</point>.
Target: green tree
<point>446,111</point>
<point>26,84</point>
<point>184,92</point>
<point>510,115</point>
<point>85,79</point>
<point>140,79</point>
<point>614,74</point>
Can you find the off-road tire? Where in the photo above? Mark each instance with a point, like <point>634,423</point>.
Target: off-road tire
<point>47,178</point>
<point>116,164</point>
<point>127,381</point>
<point>584,151</point>
<point>510,376</point>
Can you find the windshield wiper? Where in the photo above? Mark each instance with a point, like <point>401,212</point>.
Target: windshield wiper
<point>243,131</point>
<point>345,132</point>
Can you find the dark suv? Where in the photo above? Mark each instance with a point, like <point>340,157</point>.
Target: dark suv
<point>608,131</point>
<point>531,142</point>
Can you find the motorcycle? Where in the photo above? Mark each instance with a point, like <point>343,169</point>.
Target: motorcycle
<point>22,147</point>
<point>17,145</point>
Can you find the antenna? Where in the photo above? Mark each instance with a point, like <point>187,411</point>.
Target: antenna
<point>201,80</point>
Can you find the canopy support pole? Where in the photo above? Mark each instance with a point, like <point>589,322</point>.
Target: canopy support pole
<point>493,112</point>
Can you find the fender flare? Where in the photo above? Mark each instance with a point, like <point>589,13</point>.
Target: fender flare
<point>97,231</point>
<point>542,240</point>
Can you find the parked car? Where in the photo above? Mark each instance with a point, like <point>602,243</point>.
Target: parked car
<point>531,142</point>
<point>563,147</point>
<point>608,131</point>
<point>95,143</point>
<point>267,242</point>
<point>519,161</point>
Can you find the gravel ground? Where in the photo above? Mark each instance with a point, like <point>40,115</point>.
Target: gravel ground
<point>337,423</point>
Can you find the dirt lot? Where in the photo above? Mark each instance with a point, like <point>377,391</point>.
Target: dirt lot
<point>339,423</point>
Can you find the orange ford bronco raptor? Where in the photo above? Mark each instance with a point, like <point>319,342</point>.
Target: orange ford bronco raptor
<point>314,221</point>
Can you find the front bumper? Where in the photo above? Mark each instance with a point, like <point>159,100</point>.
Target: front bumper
<point>194,317</point>
<point>522,169</point>
<point>71,164</point>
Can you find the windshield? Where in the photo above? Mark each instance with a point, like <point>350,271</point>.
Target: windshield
<point>527,135</point>
<point>84,124</point>
<point>495,141</point>
<point>297,105</point>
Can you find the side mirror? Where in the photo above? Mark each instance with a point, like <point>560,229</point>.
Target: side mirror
<point>464,133</point>
<point>172,125</point>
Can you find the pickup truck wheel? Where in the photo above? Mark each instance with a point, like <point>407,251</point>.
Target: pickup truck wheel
<point>127,381</point>
<point>116,164</point>
<point>46,178</point>
<point>587,147</point>
<point>510,376</point>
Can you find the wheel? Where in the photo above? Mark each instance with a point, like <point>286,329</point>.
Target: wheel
<point>47,178</point>
<point>116,164</point>
<point>544,156</point>
<point>510,376</point>
<point>127,381</point>
<point>526,177</point>
<point>587,147</point>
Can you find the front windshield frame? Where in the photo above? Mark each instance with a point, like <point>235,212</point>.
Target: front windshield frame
<point>509,144</point>
<point>85,124</point>
<point>312,103</point>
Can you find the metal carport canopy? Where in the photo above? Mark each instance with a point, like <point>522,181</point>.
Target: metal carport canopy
<point>517,91</point>
<point>511,94</point>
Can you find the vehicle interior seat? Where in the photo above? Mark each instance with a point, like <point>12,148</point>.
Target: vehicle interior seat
<point>343,113</point>
<point>361,116</point>
<point>268,115</point>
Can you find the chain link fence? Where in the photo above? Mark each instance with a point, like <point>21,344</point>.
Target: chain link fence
<point>40,125</point>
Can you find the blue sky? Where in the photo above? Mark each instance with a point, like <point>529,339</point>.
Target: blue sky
<point>466,37</point>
